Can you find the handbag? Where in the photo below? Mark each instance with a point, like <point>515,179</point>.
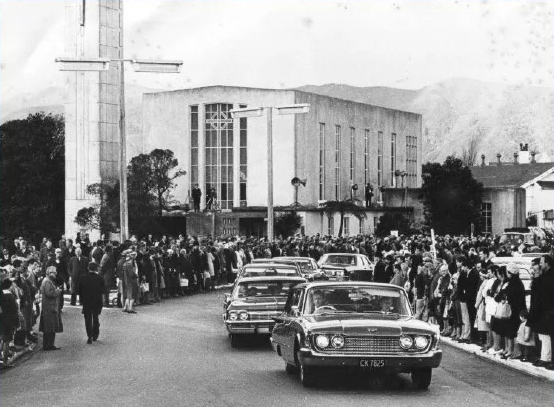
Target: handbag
<point>144,287</point>
<point>184,282</point>
<point>503,310</point>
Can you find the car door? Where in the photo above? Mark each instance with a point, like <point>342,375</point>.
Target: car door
<point>289,333</point>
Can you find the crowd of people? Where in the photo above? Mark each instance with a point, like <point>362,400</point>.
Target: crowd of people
<point>452,283</point>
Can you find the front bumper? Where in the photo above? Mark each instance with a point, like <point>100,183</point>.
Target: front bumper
<point>432,358</point>
<point>250,327</point>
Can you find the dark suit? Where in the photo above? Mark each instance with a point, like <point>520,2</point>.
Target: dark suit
<point>76,268</point>
<point>91,288</point>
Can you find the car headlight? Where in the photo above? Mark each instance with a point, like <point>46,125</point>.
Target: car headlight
<point>337,341</point>
<point>233,316</point>
<point>243,316</point>
<point>421,342</point>
<point>322,341</point>
<point>406,342</point>
<point>340,273</point>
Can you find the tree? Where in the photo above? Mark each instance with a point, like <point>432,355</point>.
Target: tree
<point>32,174</point>
<point>388,222</point>
<point>103,216</point>
<point>343,207</point>
<point>469,153</point>
<point>152,173</point>
<point>287,223</point>
<point>451,196</point>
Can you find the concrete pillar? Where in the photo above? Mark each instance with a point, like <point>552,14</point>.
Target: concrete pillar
<point>93,29</point>
<point>202,154</point>
<point>236,159</point>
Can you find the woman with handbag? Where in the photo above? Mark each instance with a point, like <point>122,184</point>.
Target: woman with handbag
<point>490,309</point>
<point>511,301</point>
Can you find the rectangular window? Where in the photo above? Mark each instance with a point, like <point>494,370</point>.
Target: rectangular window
<point>337,162</point>
<point>346,226</point>
<point>219,153</point>
<point>352,158</point>
<point>366,156</point>
<point>392,159</point>
<point>330,225</point>
<point>411,162</point>
<point>375,223</point>
<point>321,161</point>
<point>379,158</point>
<point>193,145</point>
<point>486,215</point>
<point>361,226</point>
<point>243,127</point>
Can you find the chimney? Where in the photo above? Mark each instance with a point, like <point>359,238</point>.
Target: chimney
<point>498,156</point>
<point>523,153</point>
<point>533,154</point>
<point>515,158</point>
<point>483,160</point>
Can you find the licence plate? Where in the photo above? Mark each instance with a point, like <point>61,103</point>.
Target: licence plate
<point>372,363</point>
<point>264,330</point>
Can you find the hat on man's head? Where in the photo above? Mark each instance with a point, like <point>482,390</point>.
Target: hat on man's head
<point>126,252</point>
<point>512,269</point>
<point>92,266</point>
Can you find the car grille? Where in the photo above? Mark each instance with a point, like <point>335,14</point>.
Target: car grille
<point>375,345</point>
<point>263,315</point>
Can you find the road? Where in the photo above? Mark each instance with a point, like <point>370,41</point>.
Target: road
<point>177,354</point>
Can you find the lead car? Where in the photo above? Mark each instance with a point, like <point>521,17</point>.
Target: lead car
<point>365,327</point>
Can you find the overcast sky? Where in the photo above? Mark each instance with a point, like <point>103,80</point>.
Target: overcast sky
<point>280,44</point>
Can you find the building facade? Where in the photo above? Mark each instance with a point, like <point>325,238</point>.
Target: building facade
<point>337,144</point>
<point>515,191</point>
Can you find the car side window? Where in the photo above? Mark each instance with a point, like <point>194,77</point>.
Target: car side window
<point>295,300</point>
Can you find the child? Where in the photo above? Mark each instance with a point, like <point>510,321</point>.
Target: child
<point>525,337</point>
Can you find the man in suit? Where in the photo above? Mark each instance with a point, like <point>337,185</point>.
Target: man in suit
<point>77,266</point>
<point>97,253</point>
<point>91,289</point>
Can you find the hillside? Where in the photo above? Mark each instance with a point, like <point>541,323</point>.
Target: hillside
<point>454,111</point>
<point>457,110</point>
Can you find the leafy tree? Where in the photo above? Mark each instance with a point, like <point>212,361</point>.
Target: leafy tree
<point>152,172</point>
<point>343,207</point>
<point>287,223</point>
<point>103,216</point>
<point>394,221</point>
<point>451,196</point>
<point>32,174</point>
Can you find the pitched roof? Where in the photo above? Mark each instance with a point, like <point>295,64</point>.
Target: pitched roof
<point>509,175</point>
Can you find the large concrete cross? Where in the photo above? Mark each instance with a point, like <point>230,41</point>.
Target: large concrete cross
<point>92,108</point>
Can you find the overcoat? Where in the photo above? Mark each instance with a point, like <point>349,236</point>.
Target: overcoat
<point>50,317</point>
<point>91,288</point>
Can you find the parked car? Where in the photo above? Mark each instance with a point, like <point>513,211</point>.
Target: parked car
<point>254,301</point>
<point>308,266</point>
<point>339,266</point>
<point>268,268</point>
<point>524,266</point>
<point>356,326</point>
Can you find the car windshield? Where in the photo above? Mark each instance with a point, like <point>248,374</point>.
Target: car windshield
<point>263,289</point>
<point>305,265</point>
<point>347,260</point>
<point>268,271</point>
<point>380,300</point>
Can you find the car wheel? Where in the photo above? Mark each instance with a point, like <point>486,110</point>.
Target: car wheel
<point>234,340</point>
<point>421,378</point>
<point>290,368</point>
<point>306,375</point>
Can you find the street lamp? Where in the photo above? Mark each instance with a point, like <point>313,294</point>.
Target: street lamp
<point>139,65</point>
<point>256,112</point>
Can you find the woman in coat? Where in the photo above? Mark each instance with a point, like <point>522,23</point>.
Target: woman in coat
<point>50,317</point>
<point>513,293</point>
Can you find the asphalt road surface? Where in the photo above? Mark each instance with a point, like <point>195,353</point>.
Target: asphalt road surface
<point>177,354</point>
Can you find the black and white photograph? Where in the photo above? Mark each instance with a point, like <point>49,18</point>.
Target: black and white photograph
<point>244,203</point>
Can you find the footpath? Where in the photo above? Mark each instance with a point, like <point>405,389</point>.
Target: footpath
<point>518,365</point>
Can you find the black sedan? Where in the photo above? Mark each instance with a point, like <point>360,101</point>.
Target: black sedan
<point>355,326</point>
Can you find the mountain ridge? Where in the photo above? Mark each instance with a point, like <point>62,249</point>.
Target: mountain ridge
<point>454,111</point>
